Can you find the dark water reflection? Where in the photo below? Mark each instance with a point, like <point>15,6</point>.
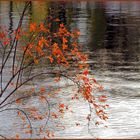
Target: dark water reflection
<point>110,33</point>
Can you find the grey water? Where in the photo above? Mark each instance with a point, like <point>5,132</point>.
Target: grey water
<point>110,34</point>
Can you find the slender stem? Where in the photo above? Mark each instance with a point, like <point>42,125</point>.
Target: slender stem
<point>48,114</point>
<point>21,69</point>
<point>9,103</point>
<point>7,109</point>
<point>19,25</point>
<point>37,75</point>
<point>23,57</point>
<point>3,55</point>
<point>17,33</point>
<point>8,83</point>
<point>14,57</point>
<point>3,136</point>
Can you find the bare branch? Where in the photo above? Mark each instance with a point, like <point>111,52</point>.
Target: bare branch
<point>7,109</point>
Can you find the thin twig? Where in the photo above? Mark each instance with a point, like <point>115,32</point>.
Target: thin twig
<point>7,109</point>
<point>3,136</point>
<point>17,33</point>
<point>37,75</point>
<point>19,25</point>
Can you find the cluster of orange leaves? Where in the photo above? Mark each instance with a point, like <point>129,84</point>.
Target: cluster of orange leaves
<point>56,47</point>
<point>3,37</point>
<point>61,48</point>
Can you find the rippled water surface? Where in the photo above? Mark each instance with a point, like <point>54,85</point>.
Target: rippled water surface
<point>110,34</point>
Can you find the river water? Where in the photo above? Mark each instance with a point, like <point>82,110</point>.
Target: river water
<point>110,34</point>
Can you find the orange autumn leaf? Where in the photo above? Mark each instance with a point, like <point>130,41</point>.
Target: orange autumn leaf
<point>17,136</point>
<point>64,46</point>
<point>42,98</point>
<point>74,44</point>
<point>61,105</point>
<point>28,132</point>
<point>65,40</point>
<point>57,52</point>
<point>42,28</point>
<point>57,79</point>
<point>93,79</point>
<point>80,66</point>
<point>39,50</point>
<point>40,130</point>
<point>61,110</point>
<point>23,118</point>
<point>99,112</point>
<point>86,72</point>
<point>105,117</point>
<point>106,105</point>
<point>18,101</point>
<point>40,117</point>
<point>42,41</point>
<point>17,36</point>
<point>2,35</point>
<point>102,98</point>
<point>53,134</point>
<point>60,126</point>
<point>6,42</point>
<point>61,25</point>
<point>33,27</point>
<point>57,20</point>
<point>32,89</point>
<point>42,89</point>
<point>101,88</point>
<point>78,33</point>
<point>48,133</point>
<point>28,126</point>
<point>97,123</point>
<point>33,110</point>
<point>36,61</point>
<point>54,115</point>
<point>51,59</point>
<point>19,113</point>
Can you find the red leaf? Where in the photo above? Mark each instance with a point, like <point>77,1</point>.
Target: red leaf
<point>17,136</point>
<point>102,98</point>
<point>42,98</point>
<point>86,72</point>
<point>33,27</point>
<point>51,59</point>
<point>42,89</point>
<point>61,105</point>
<point>18,101</point>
